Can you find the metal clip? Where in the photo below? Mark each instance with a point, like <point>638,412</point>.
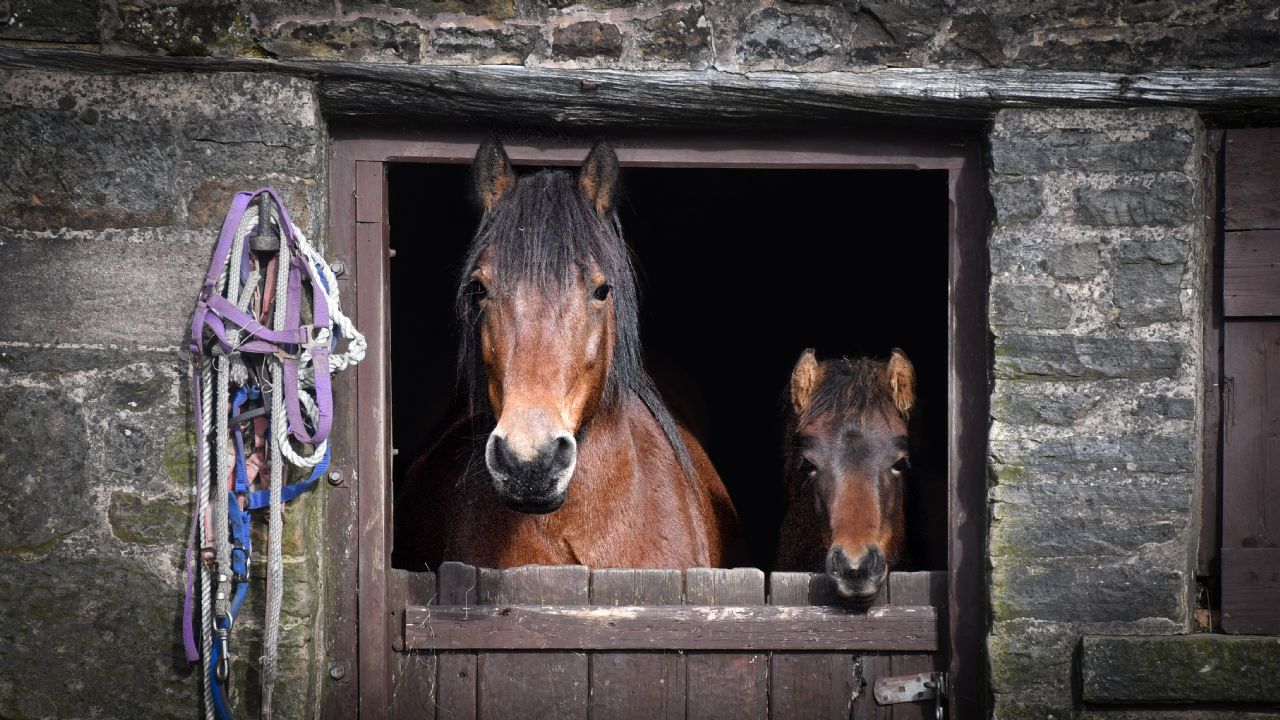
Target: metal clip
<point>223,671</point>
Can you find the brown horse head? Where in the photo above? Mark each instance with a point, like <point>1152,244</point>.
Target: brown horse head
<point>549,311</point>
<point>846,455</point>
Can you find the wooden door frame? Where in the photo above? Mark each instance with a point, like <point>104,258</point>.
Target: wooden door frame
<point>358,639</point>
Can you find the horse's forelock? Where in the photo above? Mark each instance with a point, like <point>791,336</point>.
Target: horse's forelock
<point>543,233</point>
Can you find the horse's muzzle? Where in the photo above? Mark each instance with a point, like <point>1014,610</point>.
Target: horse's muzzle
<point>537,484</point>
<point>857,578</point>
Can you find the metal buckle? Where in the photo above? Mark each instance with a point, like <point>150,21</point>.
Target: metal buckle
<point>318,337</point>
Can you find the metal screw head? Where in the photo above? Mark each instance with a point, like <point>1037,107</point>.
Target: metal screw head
<point>337,671</point>
<point>335,477</point>
<point>338,268</point>
<point>397,645</point>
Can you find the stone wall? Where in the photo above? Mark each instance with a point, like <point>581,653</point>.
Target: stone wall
<point>1096,290</point>
<point>111,192</point>
<point>731,35</point>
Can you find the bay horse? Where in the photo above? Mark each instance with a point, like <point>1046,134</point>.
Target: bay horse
<point>567,453</point>
<point>846,461</point>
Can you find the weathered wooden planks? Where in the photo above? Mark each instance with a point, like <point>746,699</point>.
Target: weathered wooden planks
<point>526,641</point>
<point>528,684</point>
<point>806,685</point>
<point>455,671</point>
<point>413,674</point>
<point>917,588</point>
<point>670,627</point>
<point>1252,179</point>
<point>723,685</point>
<point>1250,464</point>
<point>639,685</point>
<point>1251,273</point>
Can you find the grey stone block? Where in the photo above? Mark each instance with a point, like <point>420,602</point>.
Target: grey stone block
<point>99,611</point>
<point>45,489</point>
<point>1030,306</point>
<point>1022,403</point>
<point>1203,668</point>
<point>1165,406</point>
<point>1166,148</point>
<point>363,39</point>
<point>1166,202</point>
<point>678,36</point>
<point>1091,592</point>
<point>194,27</point>
<point>1017,200</point>
<point>1122,451</point>
<point>63,170</point>
<point>1019,355</point>
<point>1051,531</point>
<point>62,21</point>
<point>504,45</point>
<point>586,39</point>
<point>110,292</point>
<point>790,38</point>
<point>1110,489</point>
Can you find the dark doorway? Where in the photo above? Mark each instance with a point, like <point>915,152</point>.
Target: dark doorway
<point>740,270</point>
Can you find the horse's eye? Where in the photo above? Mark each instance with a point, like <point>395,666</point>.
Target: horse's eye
<point>477,291</point>
<point>602,293</point>
<point>903,465</point>
<point>808,470</point>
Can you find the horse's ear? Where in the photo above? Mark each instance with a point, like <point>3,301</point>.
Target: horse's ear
<point>804,380</point>
<point>492,173</point>
<point>902,381</point>
<point>599,177</point>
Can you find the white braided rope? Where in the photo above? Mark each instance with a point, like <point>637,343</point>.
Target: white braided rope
<point>228,287</point>
<point>275,522</point>
<point>356,345</point>
<point>202,508</point>
<point>355,351</point>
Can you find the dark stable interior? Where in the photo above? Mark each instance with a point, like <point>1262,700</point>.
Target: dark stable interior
<point>740,270</point>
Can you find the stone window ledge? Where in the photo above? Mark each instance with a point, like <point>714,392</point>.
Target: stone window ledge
<point>1199,668</point>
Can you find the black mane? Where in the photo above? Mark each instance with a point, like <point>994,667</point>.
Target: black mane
<point>545,231</point>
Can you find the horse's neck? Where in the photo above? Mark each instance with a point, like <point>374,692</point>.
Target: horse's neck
<point>607,457</point>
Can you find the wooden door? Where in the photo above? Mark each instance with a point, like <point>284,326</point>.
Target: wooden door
<point>705,643</point>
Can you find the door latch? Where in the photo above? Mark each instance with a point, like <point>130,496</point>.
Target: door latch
<point>913,688</point>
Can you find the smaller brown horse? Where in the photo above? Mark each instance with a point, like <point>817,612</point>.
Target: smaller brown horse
<point>846,462</point>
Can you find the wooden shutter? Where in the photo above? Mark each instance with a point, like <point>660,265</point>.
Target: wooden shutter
<point>1251,396</point>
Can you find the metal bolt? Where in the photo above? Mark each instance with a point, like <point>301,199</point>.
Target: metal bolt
<point>337,671</point>
<point>338,268</point>
<point>335,477</point>
<point>397,645</point>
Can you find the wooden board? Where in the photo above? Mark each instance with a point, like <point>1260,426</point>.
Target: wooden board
<point>809,685</point>
<point>1251,471</point>
<point>726,685</point>
<point>413,674</point>
<point>1252,182</point>
<point>456,671</point>
<point>639,685</point>
<point>531,684</point>
<point>1251,272</point>
<point>875,665</point>
<point>670,627</point>
<point>1251,590</point>
<point>917,588</point>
